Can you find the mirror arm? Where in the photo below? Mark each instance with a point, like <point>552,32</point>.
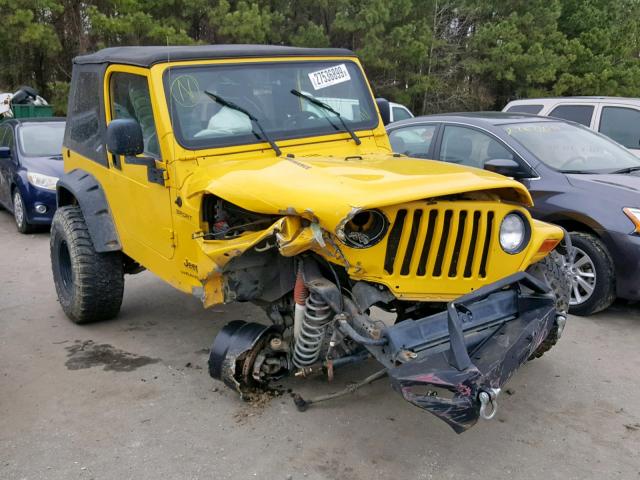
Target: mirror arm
<point>154,174</point>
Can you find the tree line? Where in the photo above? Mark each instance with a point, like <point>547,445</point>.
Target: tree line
<point>432,55</point>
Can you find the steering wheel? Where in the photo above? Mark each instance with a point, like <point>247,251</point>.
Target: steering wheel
<point>300,117</point>
<point>577,160</point>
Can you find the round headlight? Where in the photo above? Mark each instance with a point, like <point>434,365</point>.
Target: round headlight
<point>514,233</point>
<point>365,229</point>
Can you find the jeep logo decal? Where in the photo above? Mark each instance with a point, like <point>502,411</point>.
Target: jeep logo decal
<point>190,266</point>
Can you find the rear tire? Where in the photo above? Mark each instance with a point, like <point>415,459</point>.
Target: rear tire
<point>552,270</point>
<point>20,213</point>
<point>597,261</point>
<point>89,285</point>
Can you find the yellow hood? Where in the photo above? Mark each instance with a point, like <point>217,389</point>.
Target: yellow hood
<point>329,188</point>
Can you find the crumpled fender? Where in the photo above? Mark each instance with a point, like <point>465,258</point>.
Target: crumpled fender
<point>288,234</point>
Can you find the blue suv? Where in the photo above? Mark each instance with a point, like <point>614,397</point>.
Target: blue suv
<point>30,165</point>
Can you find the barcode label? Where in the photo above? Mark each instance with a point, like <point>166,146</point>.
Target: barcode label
<point>329,76</point>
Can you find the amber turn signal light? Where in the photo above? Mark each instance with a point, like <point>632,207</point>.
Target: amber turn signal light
<point>634,216</point>
<point>548,245</point>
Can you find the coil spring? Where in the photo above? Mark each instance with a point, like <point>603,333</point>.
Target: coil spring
<point>312,331</point>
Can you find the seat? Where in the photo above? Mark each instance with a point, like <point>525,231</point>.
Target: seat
<point>141,104</point>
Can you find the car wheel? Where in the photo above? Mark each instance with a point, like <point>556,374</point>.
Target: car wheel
<point>552,270</point>
<point>20,213</point>
<point>89,284</point>
<point>592,275</point>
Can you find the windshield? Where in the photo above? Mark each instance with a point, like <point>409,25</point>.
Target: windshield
<point>572,149</point>
<point>41,139</point>
<point>265,91</point>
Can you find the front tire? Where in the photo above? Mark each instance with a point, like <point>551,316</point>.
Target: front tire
<point>592,275</point>
<point>552,270</point>
<point>90,285</point>
<point>20,213</point>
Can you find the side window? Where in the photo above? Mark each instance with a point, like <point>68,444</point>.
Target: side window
<point>85,115</point>
<point>400,113</point>
<point>574,113</point>
<point>532,109</point>
<point>130,99</point>
<point>622,125</point>
<point>470,147</point>
<point>414,141</point>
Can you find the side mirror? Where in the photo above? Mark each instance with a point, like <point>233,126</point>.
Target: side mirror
<point>506,167</point>
<point>124,137</point>
<point>385,110</point>
<point>5,152</point>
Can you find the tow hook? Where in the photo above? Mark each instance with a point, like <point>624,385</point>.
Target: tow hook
<point>488,397</point>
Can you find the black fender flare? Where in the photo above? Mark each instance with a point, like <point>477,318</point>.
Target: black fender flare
<point>81,188</point>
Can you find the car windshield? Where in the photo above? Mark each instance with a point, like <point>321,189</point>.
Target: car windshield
<point>265,91</point>
<point>572,149</point>
<point>42,139</point>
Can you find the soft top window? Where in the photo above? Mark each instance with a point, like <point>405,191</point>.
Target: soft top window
<point>85,113</point>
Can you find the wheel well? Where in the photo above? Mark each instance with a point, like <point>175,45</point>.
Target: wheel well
<point>65,197</point>
<point>575,226</point>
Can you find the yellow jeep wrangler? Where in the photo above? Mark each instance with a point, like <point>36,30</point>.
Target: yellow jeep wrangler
<point>263,174</point>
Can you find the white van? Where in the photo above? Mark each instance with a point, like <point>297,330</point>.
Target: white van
<point>616,117</point>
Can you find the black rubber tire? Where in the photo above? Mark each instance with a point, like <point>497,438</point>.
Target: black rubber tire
<point>604,293</point>
<point>552,270</point>
<point>23,226</point>
<point>89,285</point>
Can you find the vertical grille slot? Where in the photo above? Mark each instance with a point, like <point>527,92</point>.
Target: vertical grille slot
<point>455,256</point>
<point>487,244</point>
<point>394,241</point>
<point>437,268</point>
<point>411,245</point>
<point>468,269</point>
<point>424,255</point>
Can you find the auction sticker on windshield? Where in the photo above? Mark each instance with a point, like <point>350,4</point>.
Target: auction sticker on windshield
<point>329,76</point>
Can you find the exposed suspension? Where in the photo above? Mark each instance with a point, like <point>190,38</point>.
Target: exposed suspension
<point>309,339</point>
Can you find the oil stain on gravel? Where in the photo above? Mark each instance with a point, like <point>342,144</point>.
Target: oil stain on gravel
<point>87,354</point>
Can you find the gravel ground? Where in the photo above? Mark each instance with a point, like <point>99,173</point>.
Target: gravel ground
<point>131,399</point>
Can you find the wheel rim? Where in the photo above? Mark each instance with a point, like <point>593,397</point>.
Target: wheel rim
<point>64,261</point>
<point>18,210</point>
<point>583,277</point>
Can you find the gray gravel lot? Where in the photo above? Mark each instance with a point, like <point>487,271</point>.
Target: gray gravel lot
<point>131,398</point>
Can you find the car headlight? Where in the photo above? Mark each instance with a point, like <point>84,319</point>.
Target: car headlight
<point>365,229</point>
<point>42,181</point>
<point>514,233</point>
<point>634,216</point>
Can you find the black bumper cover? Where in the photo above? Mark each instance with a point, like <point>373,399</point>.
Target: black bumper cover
<point>441,363</point>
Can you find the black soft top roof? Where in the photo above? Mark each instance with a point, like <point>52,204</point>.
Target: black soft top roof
<point>148,56</point>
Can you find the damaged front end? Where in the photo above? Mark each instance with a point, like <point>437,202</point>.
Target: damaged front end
<point>318,290</point>
<point>454,364</point>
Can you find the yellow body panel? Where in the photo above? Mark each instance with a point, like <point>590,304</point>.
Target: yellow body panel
<point>317,185</point>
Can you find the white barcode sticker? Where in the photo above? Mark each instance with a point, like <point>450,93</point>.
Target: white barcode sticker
<point>329,76</point>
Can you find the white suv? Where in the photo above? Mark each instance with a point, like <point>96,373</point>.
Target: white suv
<point>616,117</point>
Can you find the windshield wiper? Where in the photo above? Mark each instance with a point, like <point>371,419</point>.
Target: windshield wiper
<point>233,106</point>
<point>627,170</point>
<point>326,107</point>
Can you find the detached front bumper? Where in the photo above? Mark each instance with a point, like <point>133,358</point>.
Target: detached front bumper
<point>453,364</point>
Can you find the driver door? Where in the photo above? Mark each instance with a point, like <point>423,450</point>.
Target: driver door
<point>138,190</point>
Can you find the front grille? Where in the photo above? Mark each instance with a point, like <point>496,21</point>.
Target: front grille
<point>440,242</point>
